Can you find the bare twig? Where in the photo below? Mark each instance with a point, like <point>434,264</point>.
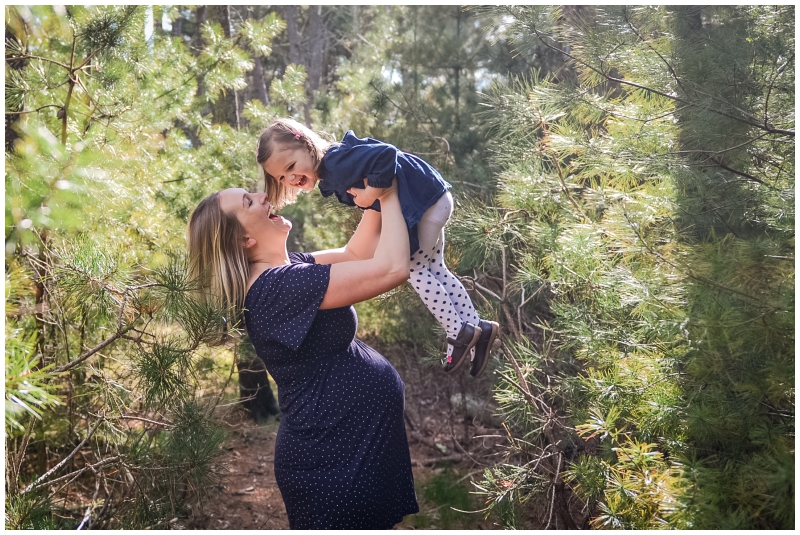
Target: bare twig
<point>40,58</point>
<point>735,172</point>
<point>139,418</point>
<point>94,350</point>
<point>87,516</point>
<point>17,460</point>
<point>32,111</point>
<point>553,500</point>
<point>455,457</point>
<point>487,290</point>
<point>40,481</point>
<point>503,261</point>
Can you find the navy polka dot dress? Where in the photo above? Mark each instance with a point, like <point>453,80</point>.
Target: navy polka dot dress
<point>341,454</point>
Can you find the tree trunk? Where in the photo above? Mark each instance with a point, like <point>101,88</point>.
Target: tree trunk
<point>317,36</point>
<point>200,18</point>
<point>290,14</point>
<point>226,108</point>
<point>457,69</point>
<point>259,81</point>
<point>259,84</point>
<point>255,393</point>
<point>177,27</point>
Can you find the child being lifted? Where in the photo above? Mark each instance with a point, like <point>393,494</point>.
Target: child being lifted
<point>294,158</point>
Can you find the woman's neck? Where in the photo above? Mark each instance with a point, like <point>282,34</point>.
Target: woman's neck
<point>269,258</point>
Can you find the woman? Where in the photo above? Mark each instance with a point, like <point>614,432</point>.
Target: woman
<point>341,454</point>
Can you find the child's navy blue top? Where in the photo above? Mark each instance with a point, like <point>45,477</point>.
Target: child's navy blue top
<point>347,164</point>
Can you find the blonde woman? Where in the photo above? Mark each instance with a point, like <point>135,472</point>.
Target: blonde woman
<point>341,454</point>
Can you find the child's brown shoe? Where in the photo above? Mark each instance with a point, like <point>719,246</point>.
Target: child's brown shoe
<point>467,337</point>
<point>490,330</point>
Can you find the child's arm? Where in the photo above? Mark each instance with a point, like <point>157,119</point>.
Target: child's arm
<point>361,245</point>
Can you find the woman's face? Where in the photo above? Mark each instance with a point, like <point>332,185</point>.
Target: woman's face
<point>294,168</point>
<point>254,212</point>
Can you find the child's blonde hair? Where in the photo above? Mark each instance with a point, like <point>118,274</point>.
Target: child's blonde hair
<point>286,133</point>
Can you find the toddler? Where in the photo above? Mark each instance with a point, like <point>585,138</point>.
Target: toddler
<point>293,158</point>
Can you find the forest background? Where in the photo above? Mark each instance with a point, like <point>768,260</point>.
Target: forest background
<point>624,180</point>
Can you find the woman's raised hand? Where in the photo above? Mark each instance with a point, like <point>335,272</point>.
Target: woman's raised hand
<point>352,282</point>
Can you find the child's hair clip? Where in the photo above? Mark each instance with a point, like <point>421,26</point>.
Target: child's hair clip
<point>297,135</point>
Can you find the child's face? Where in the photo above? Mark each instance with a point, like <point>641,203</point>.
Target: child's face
<point>292,167</point>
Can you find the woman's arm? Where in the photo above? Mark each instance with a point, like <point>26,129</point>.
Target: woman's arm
<point>361,245</point>
<point>355,281</point>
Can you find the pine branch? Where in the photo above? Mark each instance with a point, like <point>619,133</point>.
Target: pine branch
<point>78,472</point>
<point>647,43</point>
<point>767,128</point>
<point>94,350</point>
<point>735,172</point>
<point>40,108</point>
<point>139,418</point>
<point>30,56</point>
<point>778,72</point>
<point>689,271</point>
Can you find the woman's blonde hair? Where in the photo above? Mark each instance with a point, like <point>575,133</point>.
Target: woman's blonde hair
<point>217,261</point>
<point>286,134</point>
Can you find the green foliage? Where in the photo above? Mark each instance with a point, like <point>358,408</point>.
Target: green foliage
<point>260,33</point>
<point>29,391</point>
<point>108,159</point>
<point>30,511</point>
<point>289,89</point>
<point>656,200</point>
<point>445,503</point>
<point>227,62</point>
<point>190,450</point>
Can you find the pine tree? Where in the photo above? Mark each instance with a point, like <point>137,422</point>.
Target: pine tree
<point>641,261</point>
<point>109,361</point>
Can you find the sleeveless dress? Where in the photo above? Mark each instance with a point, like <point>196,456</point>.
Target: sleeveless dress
<point>341,454</point>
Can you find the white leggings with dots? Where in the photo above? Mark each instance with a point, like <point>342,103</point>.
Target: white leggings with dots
<point>440,290</point>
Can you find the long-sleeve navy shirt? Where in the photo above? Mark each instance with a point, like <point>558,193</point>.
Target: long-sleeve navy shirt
<point>347,164</point>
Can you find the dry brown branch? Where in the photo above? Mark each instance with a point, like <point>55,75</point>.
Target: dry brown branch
<point>40,481</point>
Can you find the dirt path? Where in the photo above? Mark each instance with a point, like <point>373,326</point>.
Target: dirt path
<point>249,498</point>
<point>445,455</point>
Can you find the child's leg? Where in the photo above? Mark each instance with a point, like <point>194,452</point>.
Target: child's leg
<point>434,295</point>
<point>427,268</point>
<point>456,291</point>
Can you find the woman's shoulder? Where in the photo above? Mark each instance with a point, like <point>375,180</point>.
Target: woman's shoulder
<point>272,275</point>
<point>302,258</point>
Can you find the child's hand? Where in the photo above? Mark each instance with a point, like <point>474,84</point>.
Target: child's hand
<point>366,197</point>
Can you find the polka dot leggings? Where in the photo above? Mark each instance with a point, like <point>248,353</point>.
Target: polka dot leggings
<point>440,290</point>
